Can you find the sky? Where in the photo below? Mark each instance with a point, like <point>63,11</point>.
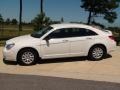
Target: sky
<point>55,9</point>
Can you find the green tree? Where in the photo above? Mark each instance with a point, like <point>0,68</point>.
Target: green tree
<point>40,21</point>
<point>1,19</point>
<point>102,8</point>
<point>14,22</point>
<point>118,1</point>
<point>62,20</point>
<point>1,24</point>
<point>8,21</point>
<point>20,16</point>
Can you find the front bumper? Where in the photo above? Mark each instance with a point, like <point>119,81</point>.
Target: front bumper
<point>9,55</point>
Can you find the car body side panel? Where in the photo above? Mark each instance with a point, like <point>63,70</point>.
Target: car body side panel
<point>54,48</point>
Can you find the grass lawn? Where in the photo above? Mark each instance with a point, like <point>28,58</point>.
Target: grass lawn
<point>25,27</point>
<point>10,34</point>
<point>7,31</point>
<point>10,31</point>
<point>13,33</point>
<point>2,42</point>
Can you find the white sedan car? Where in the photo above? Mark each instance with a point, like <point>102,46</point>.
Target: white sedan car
<point>58,41</point>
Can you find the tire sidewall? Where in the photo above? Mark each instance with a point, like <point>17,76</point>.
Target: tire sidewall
<point>21,62</point>
<point>91,57</point>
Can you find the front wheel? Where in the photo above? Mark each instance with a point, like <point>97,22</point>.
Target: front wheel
<point>97,53</point>
<point>27,57</point>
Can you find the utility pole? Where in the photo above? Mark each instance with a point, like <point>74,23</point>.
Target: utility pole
<point>41,6</point>
<point>20,17</point>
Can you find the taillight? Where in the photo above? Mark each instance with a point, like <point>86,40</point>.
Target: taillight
<point>112,38</point>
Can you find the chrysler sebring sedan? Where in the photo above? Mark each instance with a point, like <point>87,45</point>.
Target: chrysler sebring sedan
<point>59,41</point>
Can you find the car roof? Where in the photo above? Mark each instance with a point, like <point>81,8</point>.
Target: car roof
<point>74,25</point>
<point>67,25</point>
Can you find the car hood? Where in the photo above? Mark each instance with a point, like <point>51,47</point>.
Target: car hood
<point>23,39</point>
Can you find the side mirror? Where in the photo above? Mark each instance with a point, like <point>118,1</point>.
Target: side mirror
<point>47,38</point>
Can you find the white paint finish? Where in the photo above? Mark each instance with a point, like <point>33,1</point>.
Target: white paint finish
<point>80,45</point>
<point>62,47</point>
<point>54,48</point>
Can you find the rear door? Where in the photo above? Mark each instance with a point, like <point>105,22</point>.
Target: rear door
<point>81,41</point>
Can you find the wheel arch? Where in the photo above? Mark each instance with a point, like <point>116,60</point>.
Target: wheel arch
<point>98,44</point>
<point>27,48</point>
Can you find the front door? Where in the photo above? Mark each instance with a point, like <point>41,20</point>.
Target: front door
<point>57,46</point>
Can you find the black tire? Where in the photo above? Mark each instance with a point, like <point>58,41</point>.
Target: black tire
<point>97,55</point>
<point>27,57</point>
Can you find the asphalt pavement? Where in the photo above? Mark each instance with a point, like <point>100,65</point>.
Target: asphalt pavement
<point>32,82</point>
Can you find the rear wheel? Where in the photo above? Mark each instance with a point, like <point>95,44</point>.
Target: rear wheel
<point>97,53</point>
<point>27,57</point>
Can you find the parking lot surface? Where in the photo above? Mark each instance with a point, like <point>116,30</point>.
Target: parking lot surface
<point>31,82</point>
<point>107,69</point>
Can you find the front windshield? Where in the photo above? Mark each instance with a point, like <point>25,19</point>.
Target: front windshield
<point>41,32</point>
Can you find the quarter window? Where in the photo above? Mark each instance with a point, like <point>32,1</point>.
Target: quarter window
<point>86,32</point>
<point>80,32</point>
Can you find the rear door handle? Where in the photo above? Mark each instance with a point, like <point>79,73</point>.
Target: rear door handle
<point>65,40</point>
<point>88,38</point>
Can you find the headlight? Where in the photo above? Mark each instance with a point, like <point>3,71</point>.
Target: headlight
<point>9,46</point>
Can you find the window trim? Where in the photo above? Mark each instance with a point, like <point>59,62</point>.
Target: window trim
<point>70,36</point>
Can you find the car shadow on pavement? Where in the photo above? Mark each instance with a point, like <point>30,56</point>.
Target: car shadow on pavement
<point>59,60</point>
<point>62,60</point>
<point>10,62</point>
<point>72,59</point>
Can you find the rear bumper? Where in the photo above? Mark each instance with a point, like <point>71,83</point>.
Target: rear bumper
<point>112,47</point>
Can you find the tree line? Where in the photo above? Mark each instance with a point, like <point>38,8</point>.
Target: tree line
<point>8,21</point>
<point>97,8</point>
